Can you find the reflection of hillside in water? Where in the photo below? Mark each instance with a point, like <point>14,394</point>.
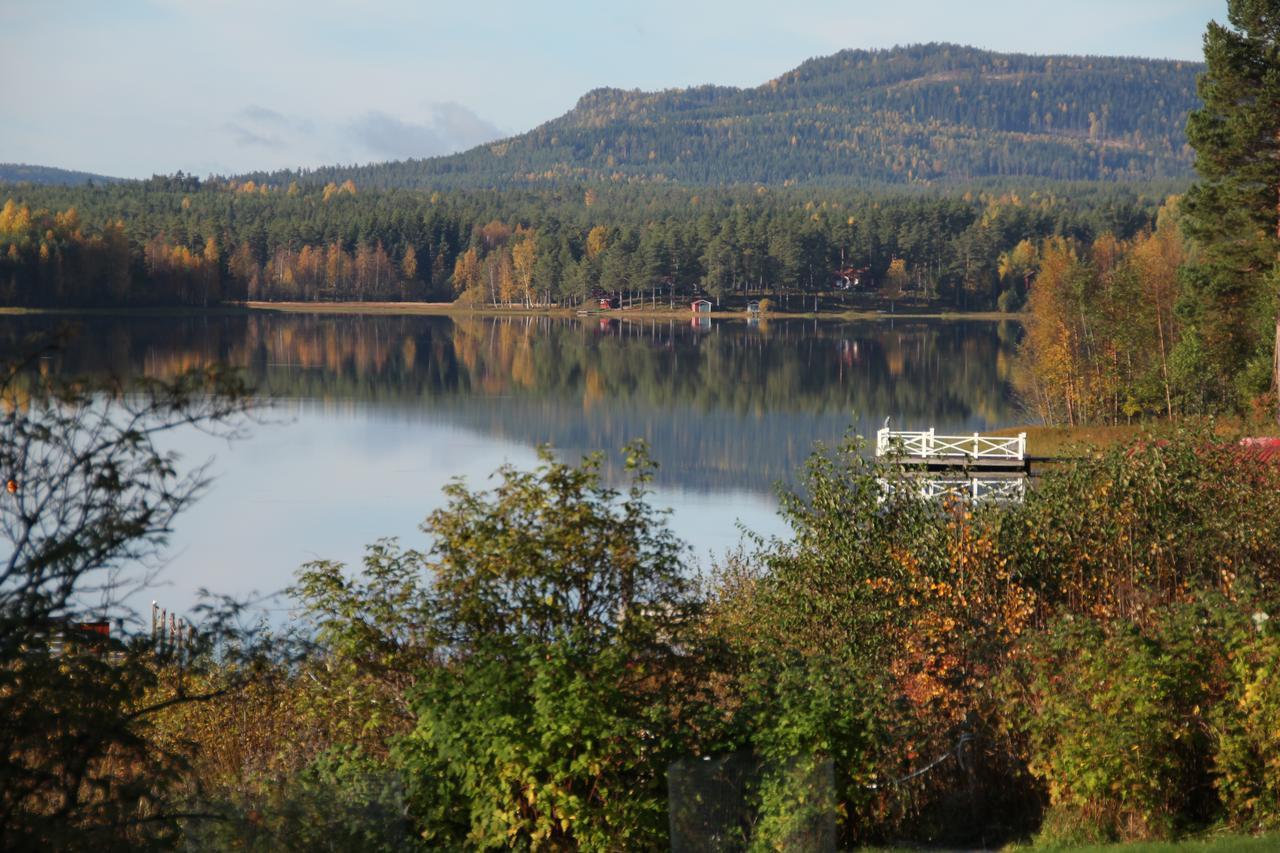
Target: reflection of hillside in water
<point>732,407</point>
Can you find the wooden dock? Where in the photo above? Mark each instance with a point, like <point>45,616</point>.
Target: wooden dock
<point>929,451</point>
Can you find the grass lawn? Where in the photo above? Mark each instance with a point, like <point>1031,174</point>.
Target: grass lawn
<point>1209,844</point>
<point>1077,441</point>
<point>1214,844</point>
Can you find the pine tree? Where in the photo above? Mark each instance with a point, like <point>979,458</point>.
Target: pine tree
<point>1234,211</point>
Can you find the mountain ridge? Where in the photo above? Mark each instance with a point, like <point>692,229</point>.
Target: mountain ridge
<point>934,113</point>
<point>17,173</point>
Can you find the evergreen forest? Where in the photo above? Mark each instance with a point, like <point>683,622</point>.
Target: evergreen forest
<point>935,113</point>
<point>180,240</point>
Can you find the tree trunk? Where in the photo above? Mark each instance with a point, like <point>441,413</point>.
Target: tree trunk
<point>1164,359</point>
<point>1275,369</point>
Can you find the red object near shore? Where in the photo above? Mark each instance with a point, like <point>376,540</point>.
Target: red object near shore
<point>1262,449</point>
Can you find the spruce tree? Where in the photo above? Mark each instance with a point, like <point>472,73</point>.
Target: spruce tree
<point>1234,210</point>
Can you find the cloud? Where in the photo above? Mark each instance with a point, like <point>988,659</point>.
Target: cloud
<point>248,138</point>
<point>387,136</point>
<point>256,126</point>
<point>450,127</point>
<point>438,128</point>
<point>462,128</point>
<point>262,115</point>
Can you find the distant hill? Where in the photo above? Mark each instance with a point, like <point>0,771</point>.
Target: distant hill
<point>21,173</point>
<point>934,113</point>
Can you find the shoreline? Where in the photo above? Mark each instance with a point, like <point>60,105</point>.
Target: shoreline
<point>450,309</point>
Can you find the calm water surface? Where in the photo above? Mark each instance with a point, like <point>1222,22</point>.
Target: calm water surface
<point>372,415</point>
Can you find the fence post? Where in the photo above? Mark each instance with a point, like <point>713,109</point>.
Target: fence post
<point>928,444</point>
<point>1022,445</point>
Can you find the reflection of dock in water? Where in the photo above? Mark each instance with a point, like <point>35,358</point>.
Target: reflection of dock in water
<point>980,488</point>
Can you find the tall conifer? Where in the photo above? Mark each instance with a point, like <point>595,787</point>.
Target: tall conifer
<point>1235,208</point>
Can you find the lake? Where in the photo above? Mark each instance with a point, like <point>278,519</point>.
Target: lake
<point>372,415</point>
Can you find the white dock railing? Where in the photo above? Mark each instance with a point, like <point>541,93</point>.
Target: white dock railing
<point>930,445</point>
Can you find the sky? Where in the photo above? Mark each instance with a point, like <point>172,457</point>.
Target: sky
<point>132,88</point>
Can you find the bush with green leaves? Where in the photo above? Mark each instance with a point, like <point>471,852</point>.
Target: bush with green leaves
<point>1149,523</point>
<point>566,679</point>
<point>531,676</point>
<point>815,736</point>
<point>343,800</point>
<point>918,608</point>
<point>1247,761</point>
<point>1117,723</point>
<point>817,623</point>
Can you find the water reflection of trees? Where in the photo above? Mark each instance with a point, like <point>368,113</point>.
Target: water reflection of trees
<point>735,406</point>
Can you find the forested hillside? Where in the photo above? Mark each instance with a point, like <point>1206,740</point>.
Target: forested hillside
<point>178,240</point>
<point>22,173</point>
<point>922,114</point>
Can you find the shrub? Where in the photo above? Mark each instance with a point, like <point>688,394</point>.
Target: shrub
<point>868,638</point>
<point>1146,525</point>
<point>814,734</point>
<point>1116,720</point>
<point>1248,757</point>
<point>563,613</point>
<point>544,745</point>
<point>343,800</point>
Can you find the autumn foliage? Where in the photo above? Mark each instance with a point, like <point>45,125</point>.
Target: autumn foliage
<point>1104,342</point>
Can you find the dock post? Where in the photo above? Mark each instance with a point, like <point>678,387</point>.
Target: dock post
<point>929,444</point>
